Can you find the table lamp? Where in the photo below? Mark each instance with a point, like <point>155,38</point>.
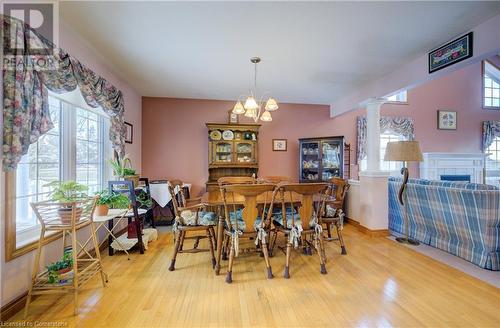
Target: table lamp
<point>404,151</point>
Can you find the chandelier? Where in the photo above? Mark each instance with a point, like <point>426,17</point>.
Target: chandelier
<point>253,108</point>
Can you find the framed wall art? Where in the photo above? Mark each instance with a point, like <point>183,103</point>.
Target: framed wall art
<point>279,144</point>
<point>447,120</point>
<point>129,133</point>
<point>451,53</point>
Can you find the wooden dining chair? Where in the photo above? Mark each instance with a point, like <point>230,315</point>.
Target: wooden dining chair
<point>297,226</point>
<point>334,210</point>
<point>190,218</point>
<point>236,180</point>
<point>274,179</point>
<point>250,221</point>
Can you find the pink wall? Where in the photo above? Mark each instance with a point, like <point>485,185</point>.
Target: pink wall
<point>175,138</point>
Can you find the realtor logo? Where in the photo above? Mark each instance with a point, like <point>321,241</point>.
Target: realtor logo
<point>42,17</point>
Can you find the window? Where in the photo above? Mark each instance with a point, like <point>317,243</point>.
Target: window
<point>491,86</point>
<point>392,166</point>
<point>75,149</point>
<point>493,163</point>
<point>401,97</point>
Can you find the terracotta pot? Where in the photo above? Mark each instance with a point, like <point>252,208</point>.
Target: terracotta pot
<point>102,210</point>
<point>65,214</point>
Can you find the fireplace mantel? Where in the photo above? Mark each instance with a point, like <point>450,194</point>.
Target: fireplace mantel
<point>437,164</point>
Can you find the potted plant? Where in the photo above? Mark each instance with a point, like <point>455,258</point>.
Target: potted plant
<point>62,270</point>
<point>107,200</point>
<point>121,170</point>
<point>67,192</point>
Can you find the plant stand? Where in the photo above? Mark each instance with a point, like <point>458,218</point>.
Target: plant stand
<point>85,264</point>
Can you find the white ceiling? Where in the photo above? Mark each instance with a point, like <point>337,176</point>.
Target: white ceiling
<point>311,52</point>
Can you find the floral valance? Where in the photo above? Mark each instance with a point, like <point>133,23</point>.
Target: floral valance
<point>398,125</point>
<point>27,75</point>
<point>491,129</point>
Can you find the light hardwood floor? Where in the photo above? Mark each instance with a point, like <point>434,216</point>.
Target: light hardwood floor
<point>378,284</point>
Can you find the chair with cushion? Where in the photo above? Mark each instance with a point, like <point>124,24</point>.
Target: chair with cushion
<point>248,221</point>
<point>303,226</point>
<point>190,218</point>
<point>334,210</point>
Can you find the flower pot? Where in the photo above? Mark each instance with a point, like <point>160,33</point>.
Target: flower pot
<point>66,275</point>
<point>102,210</point>
<point>134,178</point>
<point>66,212</point>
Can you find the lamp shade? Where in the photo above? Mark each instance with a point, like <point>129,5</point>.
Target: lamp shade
<point>271,105</point>
<point>405,151</point>
<point>238,108</point>
<point>266,116</point>
<point>250,103</point>
<point>251,112</point>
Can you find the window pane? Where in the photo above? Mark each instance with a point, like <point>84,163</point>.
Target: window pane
<point>81,173</point>
<point>92,134</point>
<point>487,92</point>
<point>496,93</point>
<point>496,102</point>
<point>46,174</point>
<point>488,102</point>
<point>93,174</point>
<point>25,180</point>
<point>93,152</point>
<point>48,148</point>
<point>25,218</point>
<point>92,116</point>
<point>81,151</point>
<point>487,82</point>
<point>81,128</point>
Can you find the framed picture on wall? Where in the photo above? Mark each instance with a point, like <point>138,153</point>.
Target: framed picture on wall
<point>447,120</point>
<point>451,53</point>
<point>232,117</point>
<point>129,133</point>
<point>279,144</point>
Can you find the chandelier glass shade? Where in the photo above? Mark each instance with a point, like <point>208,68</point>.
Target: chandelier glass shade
<point>253,108</point>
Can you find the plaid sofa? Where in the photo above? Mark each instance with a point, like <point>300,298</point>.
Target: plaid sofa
<point>458,217</point>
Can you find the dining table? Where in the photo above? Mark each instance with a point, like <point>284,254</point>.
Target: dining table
<point>214,199</point>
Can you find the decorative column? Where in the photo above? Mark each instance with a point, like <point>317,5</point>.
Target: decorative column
<point>373,198</point>
<point>373,133</point>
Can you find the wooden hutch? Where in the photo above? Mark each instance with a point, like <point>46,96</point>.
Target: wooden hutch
<point>232,151</point>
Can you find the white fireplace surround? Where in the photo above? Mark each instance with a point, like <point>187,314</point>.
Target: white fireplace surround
<point>437,164</point>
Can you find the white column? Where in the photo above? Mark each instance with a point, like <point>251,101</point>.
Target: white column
<point>373,182</point>
<point>373,133</point>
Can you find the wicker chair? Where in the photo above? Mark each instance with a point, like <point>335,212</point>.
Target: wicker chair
<point>190,218</point>
<point>249,221</point>
<point>334,214</point>
<point>297,226</point>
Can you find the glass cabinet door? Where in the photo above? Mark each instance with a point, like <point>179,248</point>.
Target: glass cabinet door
<point>331,159</point>
<point>310,160</point>
<point>223,152</point>
<point>244,153</point>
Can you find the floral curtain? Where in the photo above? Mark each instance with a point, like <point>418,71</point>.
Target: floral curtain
<point>397,125</point>
<point>491,129</point>
<point>26,77</point>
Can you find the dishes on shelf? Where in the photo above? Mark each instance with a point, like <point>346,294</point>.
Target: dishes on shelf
<point>215,135</point>
<point>310,164</point>
<point>228,135</point>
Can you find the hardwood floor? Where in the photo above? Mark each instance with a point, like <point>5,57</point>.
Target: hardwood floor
<point>379,283</point>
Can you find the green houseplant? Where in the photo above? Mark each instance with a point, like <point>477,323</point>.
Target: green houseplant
<point>60,271</point>
<point>107,200</point>
<point>66,192</point>
<point>122,168</point>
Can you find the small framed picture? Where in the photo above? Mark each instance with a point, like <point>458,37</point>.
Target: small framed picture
<point>129,133</point>
<point>447,120</point>
<point>279,144</point>
<point>232,117</point>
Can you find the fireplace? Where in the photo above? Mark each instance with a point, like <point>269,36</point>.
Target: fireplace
<point>455,177</point>
<point>453,166</point>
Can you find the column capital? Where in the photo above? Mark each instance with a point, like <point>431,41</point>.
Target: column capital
<point>373,102</point>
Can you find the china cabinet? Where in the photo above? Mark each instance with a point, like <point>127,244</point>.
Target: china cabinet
<point>232,151</point>
<point>321,158</point>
